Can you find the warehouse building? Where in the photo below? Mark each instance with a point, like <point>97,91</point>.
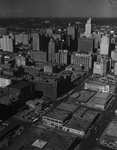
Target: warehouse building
<point>101,86</point>
<point>82,119</point>
<point>85,95</point>
<point>56,118</point>
<point>68,107</point>
<point>77,126</point>
<point>98,103</point>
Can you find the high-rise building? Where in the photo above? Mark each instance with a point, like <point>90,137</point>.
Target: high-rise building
<point>36,43</point>
<point>49,31</point>
<point>97,40</point>
<point>7,44</point>
<point>105,44</point>
<point>22,38</point>
<point>86,44</point>
<point>51,50</point>
<point>88,28</point>
<point>71,31</point>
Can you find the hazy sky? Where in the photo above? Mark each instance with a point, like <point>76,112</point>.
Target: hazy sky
<point>57,8</point>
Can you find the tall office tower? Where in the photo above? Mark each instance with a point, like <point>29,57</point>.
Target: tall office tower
<point>71,31</point>
<point>22,38</point>
<point>10,47</point>
<point>85,44</point>
<point>51,50</point>
<point>43,42</point>
<point>7,44</point>
<point>88,28</point>
<point>3,31</point>
<point>36,43</point>
<point>97,40</point>
<point>49,31</point>
<point>105,44</point>
<point>25,39</point>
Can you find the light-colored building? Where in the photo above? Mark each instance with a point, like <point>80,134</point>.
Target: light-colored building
<point>7,44</point>
<point>4,82</point>
<point>88,28</point>
<point>36,43</point>
<point>104,46</point>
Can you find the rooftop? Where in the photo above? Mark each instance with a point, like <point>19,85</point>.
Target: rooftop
<point>20,85</point>
<point>80,112</point>
<point>103,95</point>
<point>68,107</point>
<point>98,101</point>
<point>58,114</point>
<point>37,138</point>
<point>78,124</point>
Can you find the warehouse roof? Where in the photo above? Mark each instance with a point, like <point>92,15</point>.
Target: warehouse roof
<point>58,114</point>
<point>112,129</point>
<point>85,95</point>
<point>78,124</point>
<point>90,115</point>
<point>98,101</point>
<point>95,82</point>
<point>69,107</point>
<point>46,138</point>
<point>103,95</point>
<point>80,112</point>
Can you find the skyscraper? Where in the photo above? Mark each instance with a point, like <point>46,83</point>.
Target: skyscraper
<point>36,43</point>
<point>104,46</point>
<point>71,31</point>
<point>88,28</point>
<point>51,50</point>
<point>85,44</point>
<point>22,38</point>
<point>7,44</point>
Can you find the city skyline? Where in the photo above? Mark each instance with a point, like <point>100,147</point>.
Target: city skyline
<point>57,8</point>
